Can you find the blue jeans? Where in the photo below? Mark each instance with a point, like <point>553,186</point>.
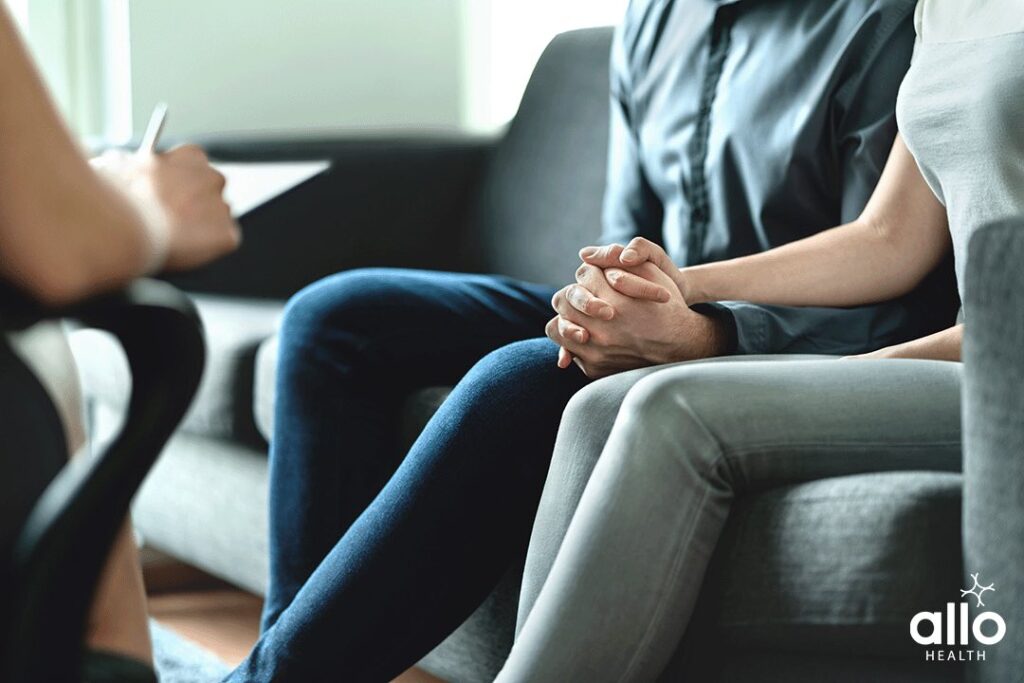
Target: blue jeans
<point>376,558</point>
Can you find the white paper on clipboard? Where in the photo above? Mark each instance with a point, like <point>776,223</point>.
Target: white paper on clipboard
<point>250,185</point>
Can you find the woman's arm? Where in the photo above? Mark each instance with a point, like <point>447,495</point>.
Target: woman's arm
<point>899,238</point>
<point>66,231</point>
<point>944,345</point>
<point>60,224</point>
<point>901,235</point>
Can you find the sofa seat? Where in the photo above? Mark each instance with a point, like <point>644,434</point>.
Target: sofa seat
<point>234,329</point>
<point>832,566</point>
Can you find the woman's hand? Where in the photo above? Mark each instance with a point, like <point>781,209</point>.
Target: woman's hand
<point>604,331</point>
<point>180,199</point>
<point>944,345</point>
<point>628,282</point>
<point>638,252</point>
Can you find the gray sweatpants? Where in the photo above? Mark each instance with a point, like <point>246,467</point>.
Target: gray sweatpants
<point>646,467</point>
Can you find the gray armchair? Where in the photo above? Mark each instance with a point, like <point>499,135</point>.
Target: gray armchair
<point>994,437</point>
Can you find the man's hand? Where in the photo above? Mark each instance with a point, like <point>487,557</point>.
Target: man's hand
<point>638,252</point>
<point>620,318</point>
<point>180,196</point>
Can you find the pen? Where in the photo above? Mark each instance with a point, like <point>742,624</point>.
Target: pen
<point>154,129</point>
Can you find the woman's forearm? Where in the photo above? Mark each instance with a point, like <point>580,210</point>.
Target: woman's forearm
<point>845,266</point>
<point>900,237</point>
<point>944,345</point>
<point>64,231</point>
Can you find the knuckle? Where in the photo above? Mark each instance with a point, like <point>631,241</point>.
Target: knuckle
<point>191,152</point>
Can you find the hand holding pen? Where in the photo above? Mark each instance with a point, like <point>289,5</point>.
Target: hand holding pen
<point>179,197</point>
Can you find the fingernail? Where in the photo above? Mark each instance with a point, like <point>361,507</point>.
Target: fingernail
<point>578,336</point>
<point>588,252</point>
<point>607,313</point>
<point>613,275</point>
<point>629,255</point>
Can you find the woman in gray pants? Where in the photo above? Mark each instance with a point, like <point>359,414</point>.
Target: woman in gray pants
<point>648,462</point>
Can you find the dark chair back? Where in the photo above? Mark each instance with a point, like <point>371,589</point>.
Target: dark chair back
<point>60,551</point>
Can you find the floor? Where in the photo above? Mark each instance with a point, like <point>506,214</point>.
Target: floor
<point>207,611</point>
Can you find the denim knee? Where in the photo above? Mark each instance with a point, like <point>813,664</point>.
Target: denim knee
<point>518,368</point>
<point>347,301</point>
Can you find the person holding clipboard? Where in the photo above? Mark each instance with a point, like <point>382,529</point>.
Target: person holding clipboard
<point>69,230</point>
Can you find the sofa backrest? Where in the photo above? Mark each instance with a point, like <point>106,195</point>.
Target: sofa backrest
<point>540,199</point>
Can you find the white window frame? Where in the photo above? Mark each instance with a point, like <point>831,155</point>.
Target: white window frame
<point>82,48</point>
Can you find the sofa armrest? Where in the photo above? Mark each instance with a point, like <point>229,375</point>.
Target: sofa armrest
<point>395,201</point>
<point>994,435</point>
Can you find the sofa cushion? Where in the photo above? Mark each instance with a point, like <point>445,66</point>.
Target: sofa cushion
<point>835,567</point>
<point>838,564</point>
<point>224,403</point>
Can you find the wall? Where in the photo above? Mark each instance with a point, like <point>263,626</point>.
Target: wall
<point>504,39</point>
<point>310,64</point>
<point>299,67</point>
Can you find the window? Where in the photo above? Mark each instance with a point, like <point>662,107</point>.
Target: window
<point>81,49</point>
<point>20,10</point>
<point>315,66</point>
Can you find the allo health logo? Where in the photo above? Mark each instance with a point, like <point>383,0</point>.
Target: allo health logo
<point>953,636</point>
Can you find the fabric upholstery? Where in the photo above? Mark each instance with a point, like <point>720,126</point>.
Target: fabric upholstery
<point>541,197</point>
<point>223,405</point>
<point>994,436</point>
<point>809,567</point>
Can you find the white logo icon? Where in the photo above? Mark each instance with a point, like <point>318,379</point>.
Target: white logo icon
<point>977,590</point>
<point>955,627</point>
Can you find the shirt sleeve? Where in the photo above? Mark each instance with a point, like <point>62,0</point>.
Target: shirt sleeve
<point>631,208</point>
<point>759,329</point>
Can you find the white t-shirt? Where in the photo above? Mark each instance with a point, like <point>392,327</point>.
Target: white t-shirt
<point>943,21</point>
<point>959,112</point>
<point>44,349</point>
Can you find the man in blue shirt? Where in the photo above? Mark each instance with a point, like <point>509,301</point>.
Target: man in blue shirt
<point>737,126</point>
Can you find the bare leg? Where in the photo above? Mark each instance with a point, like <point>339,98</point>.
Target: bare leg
<point>118,620</point>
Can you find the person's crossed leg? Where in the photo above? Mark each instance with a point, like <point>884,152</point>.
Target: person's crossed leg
<point>450,520</point>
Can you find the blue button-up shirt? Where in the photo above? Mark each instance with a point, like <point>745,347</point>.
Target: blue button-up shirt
<point>740,126</point>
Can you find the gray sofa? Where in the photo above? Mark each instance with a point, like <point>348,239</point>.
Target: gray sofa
<point>812,582</point>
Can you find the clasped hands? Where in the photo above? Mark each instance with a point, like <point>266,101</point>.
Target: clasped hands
<point>627,309</point>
